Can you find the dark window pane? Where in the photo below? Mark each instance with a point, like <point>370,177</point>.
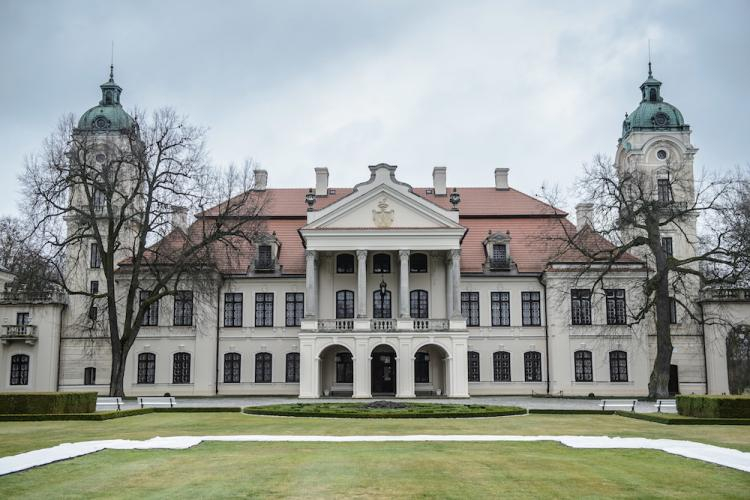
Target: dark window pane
<point>344,368</point>
<point>531,314</point>
<point>422,368</point>
<point>381,304</point>
<point>618,366</point>
<point>381,263</point>
<point>344,304</point>
<point>473,360</point>
<point>89,375</point>
<point>292,367</point>
<point>295,308</point>
<point>345,263</point>
<point>146,368</point>
<point>151,314</point>
<point>181,368</point>
<point>418,304</point>
<point>500,308</point>
<point>583,367</point>
<point>232,368</point>
<point>232,309</point>
<point>501,366</point>
<point>580,306</point>
<point>263,367</point>
<point>183,308</point>
<point>418,263</point>
<point>532,363</point>
<point>19,369</point>
<point>263,309</point>
<point>616,309</point>
<point>470,307</point>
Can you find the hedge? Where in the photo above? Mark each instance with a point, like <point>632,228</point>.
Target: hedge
<point>357,410</point>
<point>47,402</point>
<point>708,406</point>
<point>671,419</point>
<point>108,415</point>
<point>552,411</point>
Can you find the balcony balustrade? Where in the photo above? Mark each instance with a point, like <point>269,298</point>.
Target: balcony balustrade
<point>264,264</point>
<point>384,325</point>
<point>741,294</point>
<point>33,298</point>
<point>499,264</point>
<point>26,333</point>
<point>336,325</point>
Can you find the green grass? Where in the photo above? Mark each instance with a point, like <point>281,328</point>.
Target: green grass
<point>399,410</point>
<point>355,470</point>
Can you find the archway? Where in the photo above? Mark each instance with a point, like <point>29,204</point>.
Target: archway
<point>383,365</point>
<point>431,371</point>
<point>336,371</point>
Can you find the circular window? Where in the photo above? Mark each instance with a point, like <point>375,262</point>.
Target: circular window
<point>100,157</point>
<point>661,119</point>
<point>661,154</point>
<point>101,122</point>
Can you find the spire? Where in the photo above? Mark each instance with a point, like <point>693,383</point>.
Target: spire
<point>649,59</point>
<point>110,90</point>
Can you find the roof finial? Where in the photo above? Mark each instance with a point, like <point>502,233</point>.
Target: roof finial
<point>112,63</point>
<point>649,58</point>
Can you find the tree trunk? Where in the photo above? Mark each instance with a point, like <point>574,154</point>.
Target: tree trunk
<point>658,385</point>
<point>117,376</point>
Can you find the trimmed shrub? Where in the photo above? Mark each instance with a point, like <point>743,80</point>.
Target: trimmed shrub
<point>360,410</point>
<point>671,419</point>
<point>47,402</point>
<point>714,406</point>
<point>552,411</point>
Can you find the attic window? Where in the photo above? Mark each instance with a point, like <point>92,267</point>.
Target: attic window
<point>429,191</point>
<point>331,191</point>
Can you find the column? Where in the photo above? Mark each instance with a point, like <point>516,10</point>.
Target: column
<point>456,283</point>
<point>361,283</point>
<point>403,290</point>
<point>362,370</point>
<point>405,370</point>
<point>448,286</point>
<point>311,284</point>
<point>309,365</point>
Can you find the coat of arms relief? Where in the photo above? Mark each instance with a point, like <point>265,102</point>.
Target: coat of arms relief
<point>382,217</point>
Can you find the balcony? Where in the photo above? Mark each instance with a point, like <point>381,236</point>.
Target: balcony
<point>26,333</point>
<point>33,298</point>
<point>726,294</point>
<point>383,325</point>
<point>499,264</point>
<point>266,265</point>
<point>673,207</point>
<point>336,325</point>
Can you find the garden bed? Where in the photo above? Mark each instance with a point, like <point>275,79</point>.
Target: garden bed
<point>384,409</point>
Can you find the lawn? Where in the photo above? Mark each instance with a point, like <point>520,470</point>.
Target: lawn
<point>371,469</point>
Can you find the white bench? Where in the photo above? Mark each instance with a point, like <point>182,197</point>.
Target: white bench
<point>157,401</point>
<point>109,402</point>
<point>618,403</point>
<point>665,403</point>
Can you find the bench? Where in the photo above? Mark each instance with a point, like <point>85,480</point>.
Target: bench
<point>665,403</point>
<point>618,403</point>
<point>109,402</point>
<point>157,401</point>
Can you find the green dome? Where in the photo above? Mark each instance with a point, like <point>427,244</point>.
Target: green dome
<point>653,113</point>
<point>108,115</point>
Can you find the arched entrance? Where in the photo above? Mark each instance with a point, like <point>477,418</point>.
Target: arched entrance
<point>336,371</point>
<point>431,371</point>
<point>383,377</point>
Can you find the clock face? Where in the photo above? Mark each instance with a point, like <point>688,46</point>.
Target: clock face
<point>101,122</point>
<point>661,119</point>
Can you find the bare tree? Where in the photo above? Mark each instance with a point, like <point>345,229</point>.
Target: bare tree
<point>632,209</point>
<point>22,257</point>
<point>117,202</point>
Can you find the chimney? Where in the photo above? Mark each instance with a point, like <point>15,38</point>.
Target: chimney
<point>438,180</point>
<point>179,217</point>
<point>584,215</point>
<point>501,178</point>
<point>321,181</point>
<point>261,179</point>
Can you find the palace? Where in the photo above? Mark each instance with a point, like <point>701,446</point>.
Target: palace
<point>384,289</point>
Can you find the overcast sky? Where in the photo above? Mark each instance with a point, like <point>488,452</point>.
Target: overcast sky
<point>538,87</point>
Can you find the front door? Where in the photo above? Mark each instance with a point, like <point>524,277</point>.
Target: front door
<point>674,382</point>
<point>384,373</point>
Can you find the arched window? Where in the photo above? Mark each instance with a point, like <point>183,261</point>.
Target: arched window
<point>19,369</point>
<point>532,364</point>
<point>263,368</point>
<point>344,368</point>
<point>422,368</point>
<point>618,366</point>
<point>181,368</point>
<point>473,362</point>
<point>501,366</point>
<point>345,263</point>
<point>418,263</point>
<point>89,375</point>
<point>344,304</point>
<point>418,304</point>
<point>292,367</point>
<point>652,95</point>
<point>583,366</point>
<point>146,368</point>
<point>232,367</point>
<point>381,304</point>
<point>381,263</point>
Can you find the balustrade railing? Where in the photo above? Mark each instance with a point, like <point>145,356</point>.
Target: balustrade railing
<point>265,264</point>
<point>383,325</point>
<point>336,325</point>
<point>32,298</point>
<point>499,264</point>
<point>726,293</point>
<point>431,324</point>
<point>22,332</point>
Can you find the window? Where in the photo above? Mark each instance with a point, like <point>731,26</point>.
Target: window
<point>666,245</point>
<point>532,366</point>
<point>618,366</point>
<point>146,368</point>
<point>500,308</point>
<point>19,369</point>
<point>232,309</point>
<point>672,311</point>
<point>295,308</point>
<point>530,309</point>
<point>422,368</point>
<point>418,263</point>
<point>418,304</point>
<point>470,308</point>
<point>93,313</point>
<point>652,94</point>
<point>232,367</point>
<point>99,201</point>
<point>151,315</point>
<point>473,362</point>
<point>96,257</point>
<point>264,256</point>
<point>381,304</point>
<point>94,286</point>
<point>89,375</point>
<point>181,368</point>
<point>344,304</point>
<point>616,311</point>
<point>263,368</point>
<point>22,319</point>
<point>499,252</point>
<point>381,263</point>
<point>183,308</point>
<point>664,190</point>
<point>292,367</point>
<point>501,366</point>
<point>263,309</point>
<point>344,368</point>
<point>580,306</point>
<point>345,263</point>
<point>583,366</point>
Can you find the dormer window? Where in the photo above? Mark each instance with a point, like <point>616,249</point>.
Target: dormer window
<point>266,252</point>
<point>499,252</point>
<point>345,263</point>
<point>381,263</point>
